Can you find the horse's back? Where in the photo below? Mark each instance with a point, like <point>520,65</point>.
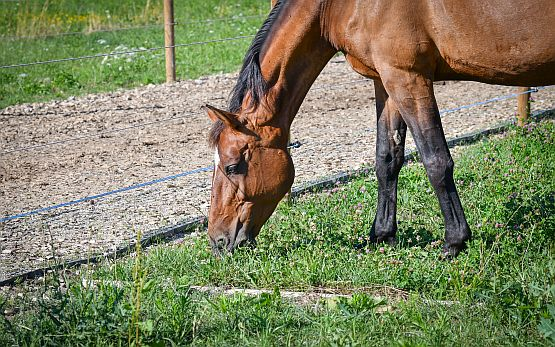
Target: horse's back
<point>495,41</point>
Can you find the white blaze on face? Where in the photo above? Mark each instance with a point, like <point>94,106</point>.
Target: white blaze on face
<point>216,158</point>
<point>216,163</point>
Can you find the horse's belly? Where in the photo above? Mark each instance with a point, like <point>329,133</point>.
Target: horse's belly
<point>515,71</point>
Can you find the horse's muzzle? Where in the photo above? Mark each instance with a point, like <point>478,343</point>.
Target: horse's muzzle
<point>220,245</point>
<point>223,244</point>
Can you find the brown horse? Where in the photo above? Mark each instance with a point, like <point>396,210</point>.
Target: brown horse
<point>404,46</point>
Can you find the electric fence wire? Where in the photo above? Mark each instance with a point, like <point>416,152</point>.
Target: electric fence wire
<point>210,168</point>
<point>133,51</point>
<point>142,125</point>
<point>190,114</point>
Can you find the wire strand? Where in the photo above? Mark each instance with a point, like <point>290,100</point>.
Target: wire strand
<point>134,51</point>
<point>70,33</point>
<point>102,195</point>
<point>77,138</point>
<point>73,139</point>
<point>326,87</point>
<point>500,98</point>
<point>293,145</point>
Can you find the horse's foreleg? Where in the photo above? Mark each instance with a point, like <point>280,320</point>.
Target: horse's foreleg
<point>390,154</point>
<point>413,94</point>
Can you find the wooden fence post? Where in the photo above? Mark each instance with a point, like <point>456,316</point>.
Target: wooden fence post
<point>523,106</point>
<point>169,40</point>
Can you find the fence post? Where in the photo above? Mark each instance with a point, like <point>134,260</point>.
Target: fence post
<point>523,106</point>
<point>169,40</point>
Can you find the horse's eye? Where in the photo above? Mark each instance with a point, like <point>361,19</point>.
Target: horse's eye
<point>232,169</point>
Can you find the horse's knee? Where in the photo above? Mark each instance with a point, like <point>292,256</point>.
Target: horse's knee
<point>439,169</point>
<point>390,161</point>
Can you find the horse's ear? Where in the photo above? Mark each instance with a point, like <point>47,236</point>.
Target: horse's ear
<point>228,118</point>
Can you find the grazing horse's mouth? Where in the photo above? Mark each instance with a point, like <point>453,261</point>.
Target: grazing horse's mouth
<point>243,236</point>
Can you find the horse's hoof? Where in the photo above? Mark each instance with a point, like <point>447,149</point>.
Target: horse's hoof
<point>390,240</point>
<point>451,252</point>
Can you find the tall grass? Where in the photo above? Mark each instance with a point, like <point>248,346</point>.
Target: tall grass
<point>31,18</point>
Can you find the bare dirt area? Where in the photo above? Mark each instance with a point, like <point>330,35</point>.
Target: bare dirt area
<point>61,151</point>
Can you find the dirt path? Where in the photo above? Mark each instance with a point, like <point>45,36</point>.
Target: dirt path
<point>335,126</point>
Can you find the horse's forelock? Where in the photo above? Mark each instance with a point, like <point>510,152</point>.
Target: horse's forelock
<point>215,132</point>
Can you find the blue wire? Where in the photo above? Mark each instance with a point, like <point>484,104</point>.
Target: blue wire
<point>116,191</point>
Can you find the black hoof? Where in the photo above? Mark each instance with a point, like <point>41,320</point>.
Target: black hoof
<point>384,235</point>
<point>388,239</point>
<point>451,252</point>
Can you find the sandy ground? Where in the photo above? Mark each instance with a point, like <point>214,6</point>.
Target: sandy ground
<point>64,150</point>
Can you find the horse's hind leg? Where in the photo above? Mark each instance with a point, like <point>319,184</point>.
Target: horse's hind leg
<point>413,94</point>
<point>390,154</point>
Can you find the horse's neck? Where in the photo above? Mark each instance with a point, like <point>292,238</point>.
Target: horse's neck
<point>292,57</point>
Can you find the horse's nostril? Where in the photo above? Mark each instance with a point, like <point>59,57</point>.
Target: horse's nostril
<point>221,243</point>
<point>219,246</point>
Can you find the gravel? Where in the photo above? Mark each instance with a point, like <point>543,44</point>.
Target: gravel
<point>166,135</point>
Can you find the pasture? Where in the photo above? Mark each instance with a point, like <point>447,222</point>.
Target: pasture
<point>498,292</point>
<point>102,142</point>
<point>41,26</point>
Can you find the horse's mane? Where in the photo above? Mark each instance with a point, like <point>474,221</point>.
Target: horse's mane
<point>250,78</point>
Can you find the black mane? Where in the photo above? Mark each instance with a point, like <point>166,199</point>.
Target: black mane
<point>250,78</point>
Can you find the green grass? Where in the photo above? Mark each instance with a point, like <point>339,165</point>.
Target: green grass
<point>60,80</point>
<point>502,287</point>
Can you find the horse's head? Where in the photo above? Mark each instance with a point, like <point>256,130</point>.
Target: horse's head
<point>252,173</point>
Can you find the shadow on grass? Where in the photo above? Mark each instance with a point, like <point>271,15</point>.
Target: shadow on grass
<point>410,236</point>
<point>407,237</point>
<point>522,213</point>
